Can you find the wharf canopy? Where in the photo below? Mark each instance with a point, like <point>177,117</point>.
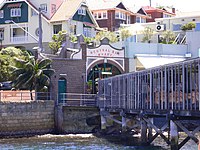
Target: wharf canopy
<point>102,62</point>
<point>146,62</point>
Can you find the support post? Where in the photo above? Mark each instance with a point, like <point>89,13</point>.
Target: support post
<point>40,31</point>
<point>174,135</point>
<point>103,119</point>
<point>143,131</point>
<point>123,124</point>
<point>150,134</point>
<point>59,119</point>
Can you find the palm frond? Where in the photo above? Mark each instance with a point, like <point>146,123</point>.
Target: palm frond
<point>44,63</point>
<point>48,72</point>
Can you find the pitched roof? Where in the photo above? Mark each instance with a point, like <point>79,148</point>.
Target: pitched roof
<point>152,9</point>
<point>67,9</point>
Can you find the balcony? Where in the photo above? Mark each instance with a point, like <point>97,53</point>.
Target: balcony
<point>19,39</point>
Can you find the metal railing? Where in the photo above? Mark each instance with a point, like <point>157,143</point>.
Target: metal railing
<point>74,99</point>
<point>23,96</point>
<point>169,87</point>
<point>18,39</point>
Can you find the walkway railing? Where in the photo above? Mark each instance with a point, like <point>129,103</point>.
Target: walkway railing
<point>23,96</point>
<point>74,99</point>
<point>169,87</point>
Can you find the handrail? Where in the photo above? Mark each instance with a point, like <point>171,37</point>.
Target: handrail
<point>168,87</point>
<point>76,99</point>
<point>24,96</point>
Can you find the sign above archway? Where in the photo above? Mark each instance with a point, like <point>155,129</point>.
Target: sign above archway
<point>105,51</point>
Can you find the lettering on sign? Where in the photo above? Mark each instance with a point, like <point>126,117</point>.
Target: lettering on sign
<point>105,51</point>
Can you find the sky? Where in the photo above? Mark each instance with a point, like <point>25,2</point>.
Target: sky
<point>181,5</point>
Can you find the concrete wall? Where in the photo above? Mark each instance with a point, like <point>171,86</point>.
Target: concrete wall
<point>155,49</point>
<point>18,119</point>
<point>193,42</point>
<point>77,119</point>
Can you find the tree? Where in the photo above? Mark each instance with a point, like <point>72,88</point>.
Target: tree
<point>124,33</point>
<point>168,36</point>
<point>32,74</point>
<point>7,56</point>
<point>58,39</point>
<point>148,33</point>
<point>112,36</point>
<point>88,40</point>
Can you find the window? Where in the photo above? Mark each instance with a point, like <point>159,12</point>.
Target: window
<point>120,15</point>
<point>138,19</point>
<point>128,19</point>
<point>43,7</point>
<point>104,14</point>
<point>100,15</point>
<point>166,16</point>
<point>1,34</point>
<point>82,11</point>
<point>117,15</point>
<point>15,12</point>
<point>1,14</point>
<point>57,28</point>
<point>143,20</point>
<point>53,8</point>
<point>87,32</point>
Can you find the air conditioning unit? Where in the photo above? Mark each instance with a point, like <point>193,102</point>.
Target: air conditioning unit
<point>160,27</point>
<point>188,55</point>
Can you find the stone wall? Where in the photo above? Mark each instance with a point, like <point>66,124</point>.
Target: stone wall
<point>28,118</point>
<point>77,119</point>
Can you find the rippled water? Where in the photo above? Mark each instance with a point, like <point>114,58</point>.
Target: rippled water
<point>75,142</point>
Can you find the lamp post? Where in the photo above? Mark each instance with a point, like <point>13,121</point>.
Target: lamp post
<point>40,30</point>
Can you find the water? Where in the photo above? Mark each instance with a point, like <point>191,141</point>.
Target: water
<point>76,142</point>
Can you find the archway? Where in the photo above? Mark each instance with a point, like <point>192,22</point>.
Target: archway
<point>100,71</point>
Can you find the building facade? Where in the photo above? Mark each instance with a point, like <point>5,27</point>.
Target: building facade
<point>111,14</point>
<point>80,68</point>
<point>19,23</point>
<point>154,13</point>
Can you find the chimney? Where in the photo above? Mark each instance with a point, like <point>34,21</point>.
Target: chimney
<point>174,10</point>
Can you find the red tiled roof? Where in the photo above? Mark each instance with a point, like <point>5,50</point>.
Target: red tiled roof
<point>152,9</point>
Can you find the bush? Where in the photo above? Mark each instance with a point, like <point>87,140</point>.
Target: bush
<point>188,26</point>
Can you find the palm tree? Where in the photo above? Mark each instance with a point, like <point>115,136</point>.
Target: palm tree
<point>32,74</point>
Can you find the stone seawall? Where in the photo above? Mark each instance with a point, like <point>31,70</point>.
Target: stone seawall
<point>77,119</point>
<point>28,118</point>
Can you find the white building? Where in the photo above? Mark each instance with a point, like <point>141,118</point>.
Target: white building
<point>19,21</point>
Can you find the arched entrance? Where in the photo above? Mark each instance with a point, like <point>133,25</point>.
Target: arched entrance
<point>100,71</point>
